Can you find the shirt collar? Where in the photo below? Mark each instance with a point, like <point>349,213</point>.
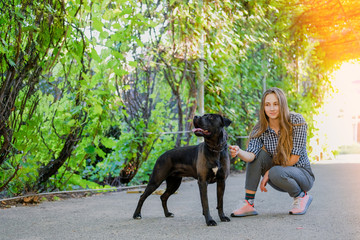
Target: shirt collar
<point>270,130</point>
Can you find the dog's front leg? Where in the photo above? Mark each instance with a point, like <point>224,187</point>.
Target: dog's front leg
<point>220,200</point>
<point>205,203</point>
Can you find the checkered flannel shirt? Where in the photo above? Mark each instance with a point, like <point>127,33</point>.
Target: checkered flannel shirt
<point>269,140</point>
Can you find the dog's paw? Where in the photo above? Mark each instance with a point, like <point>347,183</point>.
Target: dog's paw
<point>137,216</point>
<point>225,219</point>
<point>169,214</point>
<point>211,223</point>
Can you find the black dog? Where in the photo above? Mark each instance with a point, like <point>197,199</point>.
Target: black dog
<point>208,162</point>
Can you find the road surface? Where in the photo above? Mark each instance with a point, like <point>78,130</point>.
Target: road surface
<point>333,214</point>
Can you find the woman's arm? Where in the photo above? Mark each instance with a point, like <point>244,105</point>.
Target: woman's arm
<point>244,155</point>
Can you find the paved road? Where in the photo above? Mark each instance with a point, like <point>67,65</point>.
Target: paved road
<point>334,213</point>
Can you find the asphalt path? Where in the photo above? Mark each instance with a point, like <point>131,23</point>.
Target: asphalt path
<point>333,214</point>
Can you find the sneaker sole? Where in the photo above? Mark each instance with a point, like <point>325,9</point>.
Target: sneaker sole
<point>306,207</point>
<point>254,213</point>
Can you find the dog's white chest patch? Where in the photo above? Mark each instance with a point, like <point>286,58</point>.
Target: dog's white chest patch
<point>215,169</point>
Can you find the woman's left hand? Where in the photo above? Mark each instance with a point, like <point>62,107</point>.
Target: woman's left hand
<point>264,181</point>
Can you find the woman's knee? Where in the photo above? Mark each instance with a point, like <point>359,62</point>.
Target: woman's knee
<point>276,173</point>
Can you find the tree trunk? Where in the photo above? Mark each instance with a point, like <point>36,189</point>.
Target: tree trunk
<point>55,164</point>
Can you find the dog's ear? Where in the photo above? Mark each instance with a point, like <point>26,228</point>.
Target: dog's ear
<point>226,121</point>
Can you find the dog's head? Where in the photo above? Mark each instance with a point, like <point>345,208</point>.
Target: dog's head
<point>209,125</point>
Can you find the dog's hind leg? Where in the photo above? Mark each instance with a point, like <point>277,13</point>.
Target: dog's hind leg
<point>158,175</point>
<point>150,188</point>
<point>172,184</point>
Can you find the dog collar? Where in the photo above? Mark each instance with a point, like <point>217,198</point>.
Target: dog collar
<point>216,149</point>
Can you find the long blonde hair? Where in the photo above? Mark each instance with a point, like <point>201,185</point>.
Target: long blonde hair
<point>285,142</point>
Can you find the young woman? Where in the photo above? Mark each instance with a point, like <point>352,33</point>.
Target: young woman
<point>276,151</point>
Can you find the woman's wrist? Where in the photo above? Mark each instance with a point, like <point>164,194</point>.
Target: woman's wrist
<point>238,151</point>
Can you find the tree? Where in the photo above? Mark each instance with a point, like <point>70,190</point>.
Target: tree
<point>28,48</point>
<point>73,71</point>
<point>334,26</point>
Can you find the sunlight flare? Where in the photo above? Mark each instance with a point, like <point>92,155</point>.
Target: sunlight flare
<point>339,119</point>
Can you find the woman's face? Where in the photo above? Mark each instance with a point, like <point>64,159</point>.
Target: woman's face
<point>272,108</point>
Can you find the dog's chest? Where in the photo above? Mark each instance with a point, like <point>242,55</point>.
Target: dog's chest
<point>213,171</point>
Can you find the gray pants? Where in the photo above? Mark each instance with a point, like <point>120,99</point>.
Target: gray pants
<point>292,180</point>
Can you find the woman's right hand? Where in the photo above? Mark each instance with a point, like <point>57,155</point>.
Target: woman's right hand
<point>264,181</point>
<point>234,150</point>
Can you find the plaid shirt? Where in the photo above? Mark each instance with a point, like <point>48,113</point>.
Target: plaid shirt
<point>269,140</point>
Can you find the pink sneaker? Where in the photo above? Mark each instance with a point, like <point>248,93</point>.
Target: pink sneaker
<point>244,211</point>
<point>300,205</point>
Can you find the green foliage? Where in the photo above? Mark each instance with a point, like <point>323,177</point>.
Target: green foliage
<point>100,64</point>
<point>257,49</point>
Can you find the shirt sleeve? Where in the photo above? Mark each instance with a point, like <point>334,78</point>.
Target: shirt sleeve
<point>255,145</point>
<point>299,134</point>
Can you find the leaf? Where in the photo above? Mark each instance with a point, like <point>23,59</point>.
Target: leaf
<point>116,26</point>
<point>117,37</point>
<point>98,109</point>
<point>104,34</point>
<point>97,24</point>
<point>120,72</point>
<point>108,142</point>
<point>11,62</point>
<point>100,152</point>
<point>139,43</point>
<point>127,11</point>
<point>133,64</point>
<point>118,55</point>
<point>90,149</point>
<point>95,55</point>
<point>71,122</point>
